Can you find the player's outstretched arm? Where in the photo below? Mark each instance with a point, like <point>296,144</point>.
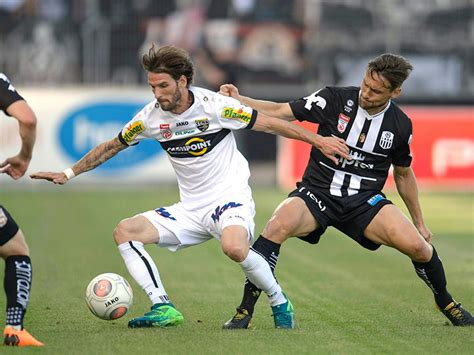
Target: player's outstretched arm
<point>331,147</point>
<point>91,160</point>
<point>270,108</point>
<point>407,187</point>
<point>16,166</point>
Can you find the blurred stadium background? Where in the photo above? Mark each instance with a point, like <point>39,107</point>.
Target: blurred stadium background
<point>78,64</point>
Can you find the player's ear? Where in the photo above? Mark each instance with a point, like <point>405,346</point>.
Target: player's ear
<point>396,92</point>
<point>183,81</point>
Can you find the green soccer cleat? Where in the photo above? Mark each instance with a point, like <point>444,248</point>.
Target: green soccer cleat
<point>241,320</point>
<point>161,315</point>
<point>284,315</point>
<point>458,315</point>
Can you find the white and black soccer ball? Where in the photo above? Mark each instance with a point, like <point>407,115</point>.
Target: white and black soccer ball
<point>109,296</point>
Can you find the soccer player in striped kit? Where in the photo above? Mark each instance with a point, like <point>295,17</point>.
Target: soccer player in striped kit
<point>13,247</point>
<point>348,194</point>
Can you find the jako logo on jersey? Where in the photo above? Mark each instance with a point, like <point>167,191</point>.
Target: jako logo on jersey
<point>342,122</point>
<point>164,213</point>
<point>386,140</point>
<point>94,123</point>
<point>220,210</point>
<point>240,114</point>
<point>202,125</point>
<point>180,124</point>
<point>133,130</point>
<point>195,146</point>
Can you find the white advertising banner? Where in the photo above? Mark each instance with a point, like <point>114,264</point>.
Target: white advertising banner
<point>71,121</point>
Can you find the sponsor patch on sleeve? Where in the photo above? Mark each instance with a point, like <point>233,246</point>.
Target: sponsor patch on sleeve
<point>133,130</point>
<point>233,113</point>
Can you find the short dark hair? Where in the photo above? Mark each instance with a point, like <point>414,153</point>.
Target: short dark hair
<point>171,60</point>
<point>392,67</point>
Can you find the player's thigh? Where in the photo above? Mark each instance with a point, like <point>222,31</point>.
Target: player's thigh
<point>12,241</point>
<point>292,218</point>
<point>392,228</point>
<point>15,246</point>
<point>178,226</point>
<point>136,228</point>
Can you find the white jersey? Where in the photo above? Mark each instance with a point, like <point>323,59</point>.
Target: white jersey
<point>200,144</point>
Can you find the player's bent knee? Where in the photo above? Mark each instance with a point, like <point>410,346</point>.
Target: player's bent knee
<point>123,232</point>
<point>421,251</point>
<point>235,252</point>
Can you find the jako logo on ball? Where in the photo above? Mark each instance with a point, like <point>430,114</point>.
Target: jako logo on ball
<point>109,296</point>
<point>90,125</point>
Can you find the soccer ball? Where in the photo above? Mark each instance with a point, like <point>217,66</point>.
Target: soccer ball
<point>109,296</point>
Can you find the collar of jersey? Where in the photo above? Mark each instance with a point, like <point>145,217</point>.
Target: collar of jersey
<point>378,114</point>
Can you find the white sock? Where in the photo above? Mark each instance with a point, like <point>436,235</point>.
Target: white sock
<point>259,273</point>
<point>143,269</point>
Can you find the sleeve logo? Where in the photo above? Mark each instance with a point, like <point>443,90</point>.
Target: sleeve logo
<point>233,114</point>
<point>133,130</point>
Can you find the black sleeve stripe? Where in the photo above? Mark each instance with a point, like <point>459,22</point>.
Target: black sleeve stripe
<point>120,137</point>
<point>252,119</point>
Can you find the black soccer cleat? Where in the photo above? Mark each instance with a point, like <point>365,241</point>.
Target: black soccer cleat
<point>458,315</point>
<point>241,320</point>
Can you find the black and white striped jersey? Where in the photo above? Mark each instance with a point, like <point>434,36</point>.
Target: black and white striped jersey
<point>375,142</point>
<point>8,93</point>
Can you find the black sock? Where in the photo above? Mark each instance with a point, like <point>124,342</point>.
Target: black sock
<point>269,250</point>
<point>432,273</point>
<point>17,285</point>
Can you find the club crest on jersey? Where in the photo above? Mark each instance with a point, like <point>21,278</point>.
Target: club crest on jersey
<point>386,140</point>
<point>165,131</point>
<point>342,122</point>
<point>202,124</point>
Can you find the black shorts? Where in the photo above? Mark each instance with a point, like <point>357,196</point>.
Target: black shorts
<point>8,226</point>
<point>350,214</point>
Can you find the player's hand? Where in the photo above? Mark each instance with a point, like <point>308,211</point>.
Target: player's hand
<point>229,90</point>
<point>15,166</point>
<point>334,148</point>
<point>56,178</point>
<point>425,233</point>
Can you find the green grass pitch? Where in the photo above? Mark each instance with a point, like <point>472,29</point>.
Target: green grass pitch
<point>347,300</point>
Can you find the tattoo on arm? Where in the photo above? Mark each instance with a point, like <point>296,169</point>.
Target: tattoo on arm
<point>98,155</point>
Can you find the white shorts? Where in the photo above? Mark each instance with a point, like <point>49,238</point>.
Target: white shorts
<point>180,227</point>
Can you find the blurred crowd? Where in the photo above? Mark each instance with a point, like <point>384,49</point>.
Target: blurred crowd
<point>277,46</point>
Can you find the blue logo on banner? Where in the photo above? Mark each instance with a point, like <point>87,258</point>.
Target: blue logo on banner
<point>93,124</point>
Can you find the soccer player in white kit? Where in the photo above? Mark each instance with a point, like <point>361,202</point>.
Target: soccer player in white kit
<point>194,126</point>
